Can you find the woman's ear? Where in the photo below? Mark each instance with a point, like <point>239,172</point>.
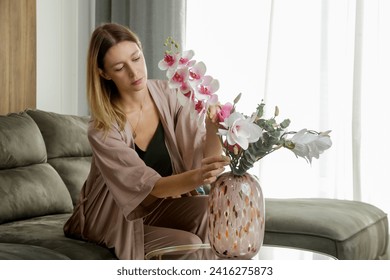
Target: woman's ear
<point>104,75</point>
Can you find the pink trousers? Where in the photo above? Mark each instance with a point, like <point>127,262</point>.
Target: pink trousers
<point>179,221</point>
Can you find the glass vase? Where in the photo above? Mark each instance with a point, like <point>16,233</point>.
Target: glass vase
<point>236,216</point>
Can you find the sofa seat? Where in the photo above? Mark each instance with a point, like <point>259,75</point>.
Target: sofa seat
<point>341,228</point>
<point>11,251</point>
<point>46,232</point>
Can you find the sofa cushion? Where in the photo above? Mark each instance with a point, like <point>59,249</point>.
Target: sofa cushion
<point>11,251</point>
<point>68,148</point>
<point>21,142</point>
<point>64,135</point>
<point>74,172</point>
<point>341,228</point>
<point>32,191</point>
<point>47,232</point>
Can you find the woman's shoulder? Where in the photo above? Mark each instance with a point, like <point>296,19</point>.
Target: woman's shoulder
<point>94,133</point>
<point>161,91</point>
<point>98,134</point>
<point>160,86</point>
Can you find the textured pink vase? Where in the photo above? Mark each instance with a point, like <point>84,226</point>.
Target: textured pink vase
<point>236,216</point>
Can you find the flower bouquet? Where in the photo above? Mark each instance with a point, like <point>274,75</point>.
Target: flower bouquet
<point>245,139</point>
<point>236,202</point>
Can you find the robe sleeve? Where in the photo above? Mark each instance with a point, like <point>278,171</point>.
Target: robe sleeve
<point>190,138</point>
<point>127,177</point>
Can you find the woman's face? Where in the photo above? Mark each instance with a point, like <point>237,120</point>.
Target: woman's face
<point>124,64</point>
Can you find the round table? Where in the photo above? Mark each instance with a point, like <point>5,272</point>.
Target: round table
<point>204,252</point>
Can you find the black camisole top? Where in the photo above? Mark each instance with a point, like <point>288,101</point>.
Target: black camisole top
<point>156,155</point>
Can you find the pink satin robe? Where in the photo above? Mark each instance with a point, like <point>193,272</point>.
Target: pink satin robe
<point>115,196</point>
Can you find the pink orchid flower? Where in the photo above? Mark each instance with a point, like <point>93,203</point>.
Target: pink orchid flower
<point>206,88</point>
<point>240,130</point>
<point>196,73</point>
<point>185,59</point>
<point>179,78</point>
<point>213,100</point>
<point>201,109</point>
<point>186,99</point>
<point>169,63</point>
<point>200,106</point>
<point>185,88</point>
<point>224,112</point>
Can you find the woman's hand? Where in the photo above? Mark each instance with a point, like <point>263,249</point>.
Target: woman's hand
<point>212,114</point>
<point>187,181</point>
<point>211,167</point>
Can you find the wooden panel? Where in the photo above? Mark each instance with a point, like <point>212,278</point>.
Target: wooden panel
<point>4,56</point>
<point>17,55</point>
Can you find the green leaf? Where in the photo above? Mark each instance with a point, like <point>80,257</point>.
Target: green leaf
<point>269,125</point>
<point>238,97</point>
<point>284,124</point>
<point>260,110</point>
<point>276,111</point>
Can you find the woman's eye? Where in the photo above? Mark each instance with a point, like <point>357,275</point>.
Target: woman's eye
<point>136,58</point>
<point>119,69</point>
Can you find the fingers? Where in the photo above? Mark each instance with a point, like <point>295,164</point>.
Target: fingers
<point>225,160</point>
<point>211,176</point>
<point>212,167</point>
<point>212,113</point>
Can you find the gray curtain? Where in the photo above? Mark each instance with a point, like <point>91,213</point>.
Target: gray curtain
<point>152,20</point>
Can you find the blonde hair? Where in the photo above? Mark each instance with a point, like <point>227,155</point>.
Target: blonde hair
<point>103,94</point>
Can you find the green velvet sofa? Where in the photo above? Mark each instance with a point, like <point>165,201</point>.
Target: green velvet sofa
<point>45,158</point>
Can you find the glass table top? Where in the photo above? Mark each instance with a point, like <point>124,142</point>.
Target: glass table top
<point>204,252</point>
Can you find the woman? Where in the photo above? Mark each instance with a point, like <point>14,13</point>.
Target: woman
<point>149,156</point>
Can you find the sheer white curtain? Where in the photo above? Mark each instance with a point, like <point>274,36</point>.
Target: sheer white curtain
<point>326,65</point>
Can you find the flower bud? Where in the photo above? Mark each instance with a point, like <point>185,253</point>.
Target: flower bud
<point>235,150</point>
<point>276,111</point>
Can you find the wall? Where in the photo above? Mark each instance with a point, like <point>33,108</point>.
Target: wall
<point>17,55</point>
<point>63,31</point>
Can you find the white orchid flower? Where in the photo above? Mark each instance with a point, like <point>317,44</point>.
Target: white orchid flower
<point>186,59</point>
<point>171,62</point>
<point>179,78</point>
<point>206,88</point>
<point>240,130</point>
<point>308,145</point>
<point>197,72</point>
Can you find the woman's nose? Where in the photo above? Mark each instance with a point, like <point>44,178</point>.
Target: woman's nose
<point>131,70</point>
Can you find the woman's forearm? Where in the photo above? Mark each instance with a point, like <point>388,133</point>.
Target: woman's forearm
<point>185,182</point>
<point>212,145</point>
<point>178,184</point>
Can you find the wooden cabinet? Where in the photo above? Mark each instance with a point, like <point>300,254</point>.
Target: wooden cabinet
<point>17,55</point>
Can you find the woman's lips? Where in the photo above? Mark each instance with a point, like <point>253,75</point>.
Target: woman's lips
<point>137,82</point>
